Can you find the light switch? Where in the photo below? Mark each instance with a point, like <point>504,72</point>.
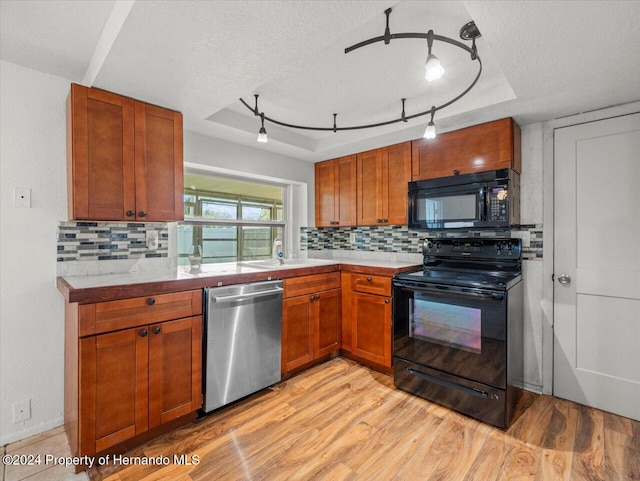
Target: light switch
<point>22,197</point>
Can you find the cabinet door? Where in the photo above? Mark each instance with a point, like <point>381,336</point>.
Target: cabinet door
<point>372,185</point>
<point>158,164</point>
<point>335,182</point>
<point>113,388</point>
<point>346,191</point>
<point>297,332</point>
<point>397,174</point>
<point>371,328</point>
<point>329,328</point>
<point>325,193</point>
<point>490,146</point>
<point>175,369</point>
<point>100,154</point>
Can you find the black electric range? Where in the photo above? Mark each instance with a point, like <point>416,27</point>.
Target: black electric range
<point>458,326</point>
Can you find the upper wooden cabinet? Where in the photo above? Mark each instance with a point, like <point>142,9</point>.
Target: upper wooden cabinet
<point>491,146</point>
<point>124,158</point>
<point>383,175</point>
<point>336,192</point>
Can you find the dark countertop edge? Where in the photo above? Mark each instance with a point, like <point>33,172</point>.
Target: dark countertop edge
<point>377,270</point>
<point>125,291</point>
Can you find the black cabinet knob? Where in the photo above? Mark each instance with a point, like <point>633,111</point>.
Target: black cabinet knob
<point>151,301</point>
<point>156,330</point>
<point>386,301</point>
<point>130,213</point>
<point>368,279</point>
<point>456,172</point>
<point>142,214</point>
<point>144,333</point>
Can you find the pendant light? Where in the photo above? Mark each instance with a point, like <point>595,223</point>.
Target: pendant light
<point>262,133</point>
<point>433,68</point>
<point>430,131</point>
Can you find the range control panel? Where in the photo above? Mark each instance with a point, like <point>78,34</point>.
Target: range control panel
<point>486,248</point>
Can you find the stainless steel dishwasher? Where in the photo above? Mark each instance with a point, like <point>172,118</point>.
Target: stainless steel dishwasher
<point>242,341</point>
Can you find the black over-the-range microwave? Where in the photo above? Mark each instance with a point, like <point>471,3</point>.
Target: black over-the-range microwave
<point>469,201</point>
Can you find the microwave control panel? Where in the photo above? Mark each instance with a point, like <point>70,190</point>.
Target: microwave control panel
<point>498,203</point>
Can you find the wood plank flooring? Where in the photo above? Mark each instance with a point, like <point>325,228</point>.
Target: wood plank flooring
<point>342,421</point>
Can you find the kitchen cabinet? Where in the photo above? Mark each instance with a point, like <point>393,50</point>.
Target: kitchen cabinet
<point>490,146</point>
<point>335,192</point>
<point>366,327</point>
<point>383,175</point>
<point>310,319</point>
<point>124,158</point>
<point>131,366</point>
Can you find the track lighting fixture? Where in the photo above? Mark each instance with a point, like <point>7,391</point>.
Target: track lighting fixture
<point>433,71</point>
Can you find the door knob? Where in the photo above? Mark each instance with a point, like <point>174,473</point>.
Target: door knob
<point>564,279</point>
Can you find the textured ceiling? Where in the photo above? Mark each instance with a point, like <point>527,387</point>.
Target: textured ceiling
<point>541,60</point>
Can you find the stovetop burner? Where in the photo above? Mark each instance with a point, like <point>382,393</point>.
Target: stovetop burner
<point>463,278</point>
<point>492,263</point>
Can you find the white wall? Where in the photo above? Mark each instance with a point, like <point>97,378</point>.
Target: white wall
<point>531,212</point>
<point>32,154</point>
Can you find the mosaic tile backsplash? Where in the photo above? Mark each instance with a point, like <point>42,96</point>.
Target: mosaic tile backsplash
<point>97,241</point>
<point>404,240</point>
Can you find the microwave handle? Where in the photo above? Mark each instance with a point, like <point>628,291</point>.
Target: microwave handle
<point>483,201</point>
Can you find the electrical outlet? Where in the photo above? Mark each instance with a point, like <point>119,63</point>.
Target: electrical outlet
<point>22,197</point>
<point>21,411</point>
<point>152,239</point>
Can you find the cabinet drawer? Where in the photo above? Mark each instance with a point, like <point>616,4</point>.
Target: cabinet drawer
<point>299,286</point>
<point>377,285</point>
<point>125,313</point>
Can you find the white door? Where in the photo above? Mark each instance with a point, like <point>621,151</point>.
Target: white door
<point>597,264</point>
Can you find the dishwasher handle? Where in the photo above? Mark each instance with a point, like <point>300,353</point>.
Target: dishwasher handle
<point>250,295</point>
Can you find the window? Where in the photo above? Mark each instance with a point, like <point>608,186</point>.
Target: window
<point>230,219</point>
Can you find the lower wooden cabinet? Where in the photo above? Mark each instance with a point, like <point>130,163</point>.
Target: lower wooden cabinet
<point>310,322</point>
<point>121,384</point>
<point>367,321</point>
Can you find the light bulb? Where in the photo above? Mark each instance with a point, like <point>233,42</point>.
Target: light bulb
<point>433,69</point>
<point>262,135</point>
<point>430,131</point>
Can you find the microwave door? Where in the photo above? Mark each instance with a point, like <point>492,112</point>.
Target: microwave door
<point>449,208</point>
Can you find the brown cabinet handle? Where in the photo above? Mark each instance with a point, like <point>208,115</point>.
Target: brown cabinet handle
<point>368,279</point>
<point>379,221</point>
<point>143,333</point>
<point>151,301</point>
<point>156,330</point>
<point>142,214</point>
<point>386,301</point>
<point>456,171</point>
<point>384,221</point>
<point>130,213</point>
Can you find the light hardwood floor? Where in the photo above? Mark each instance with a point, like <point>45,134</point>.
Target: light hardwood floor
<point>341,421</point>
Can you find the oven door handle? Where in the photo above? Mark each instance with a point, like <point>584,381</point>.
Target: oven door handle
<point>452,385</point>
<point>454,290</point>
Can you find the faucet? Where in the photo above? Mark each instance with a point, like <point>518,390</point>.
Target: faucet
<point>276,251</point>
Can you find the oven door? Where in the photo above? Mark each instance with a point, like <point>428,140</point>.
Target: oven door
<point>448,207</point>
<point>457,330</point>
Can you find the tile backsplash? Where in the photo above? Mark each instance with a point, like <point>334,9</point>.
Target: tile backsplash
<point>401,239</point>
<point>98,241</point>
